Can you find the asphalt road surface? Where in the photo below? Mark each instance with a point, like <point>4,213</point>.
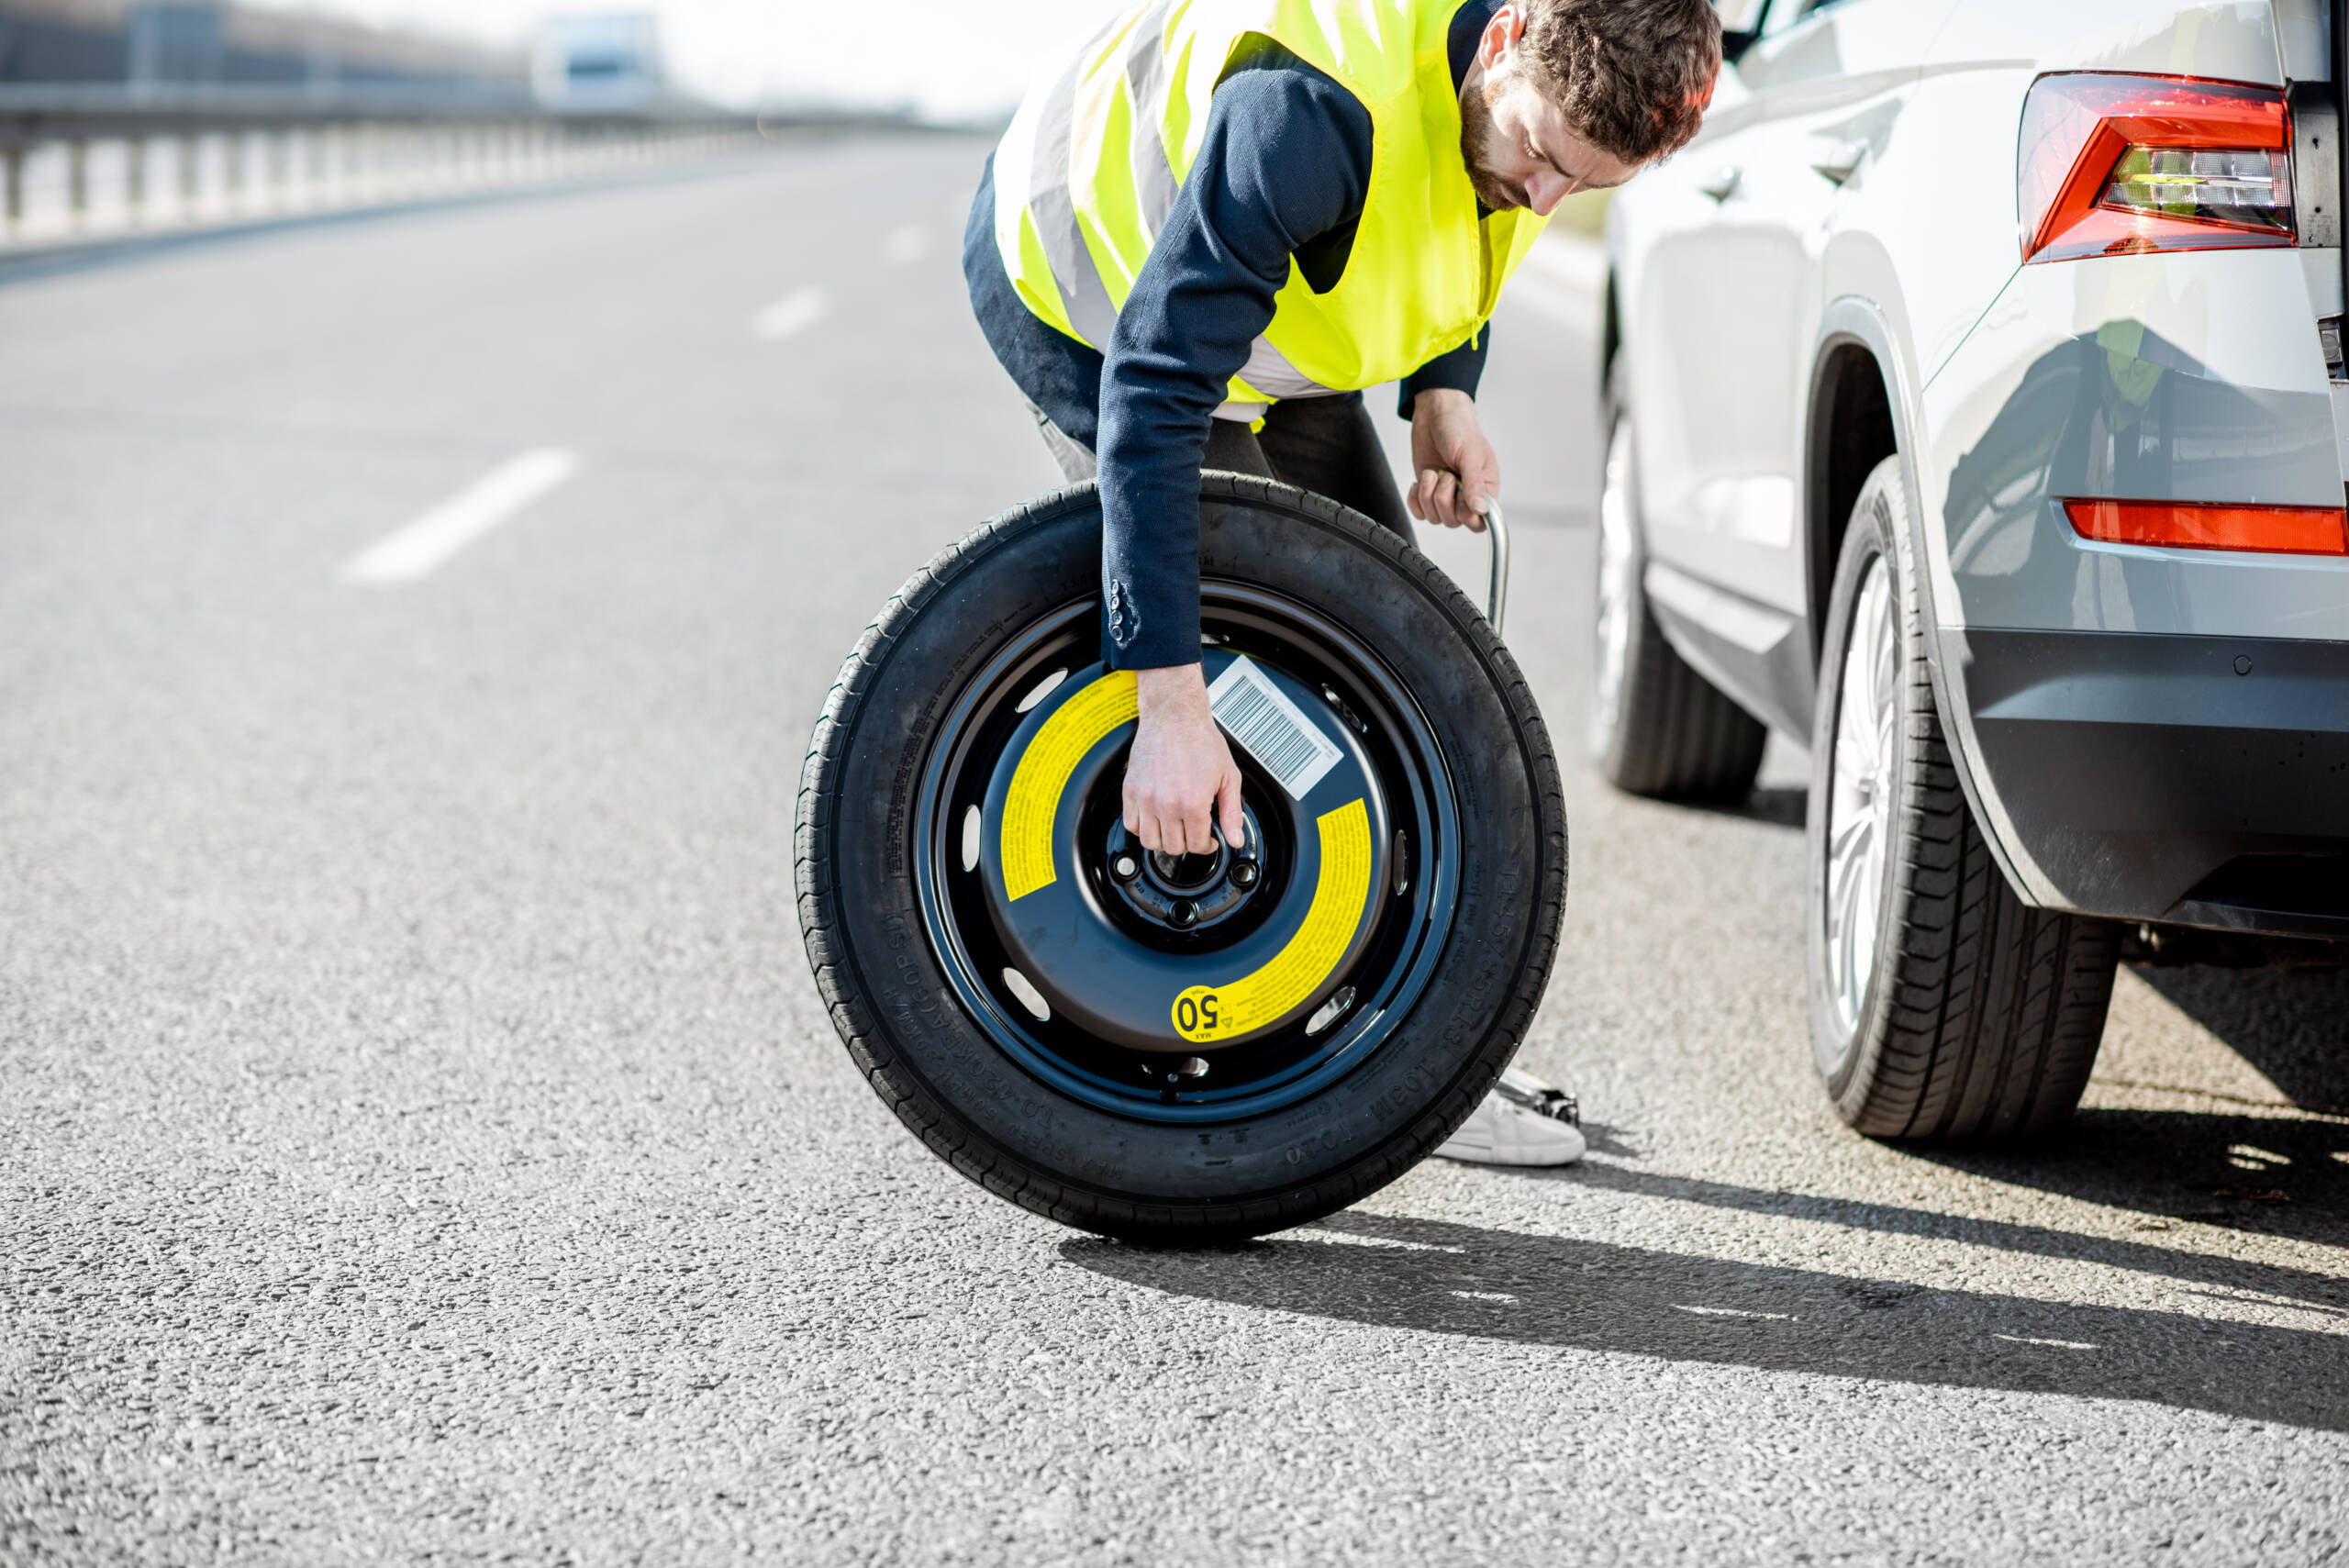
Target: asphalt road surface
<point>420,1138</point>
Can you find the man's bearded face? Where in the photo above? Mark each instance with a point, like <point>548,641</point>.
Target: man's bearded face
<point>1518,149</point>
<point>1482,148</point>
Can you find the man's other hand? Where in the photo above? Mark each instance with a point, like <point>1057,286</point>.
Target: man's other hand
<point>1454,464</point>
<point>1180,776</point>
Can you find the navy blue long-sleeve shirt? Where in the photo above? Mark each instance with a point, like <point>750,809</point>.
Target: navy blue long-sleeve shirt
<point>1280,177</point>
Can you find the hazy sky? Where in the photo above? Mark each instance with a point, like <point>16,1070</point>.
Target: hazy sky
<point>950,58</point>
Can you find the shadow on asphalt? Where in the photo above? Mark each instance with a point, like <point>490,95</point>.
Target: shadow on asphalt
<point>1608,1140</point>
<point>1778,807</point>
<point>1439,1278</point>
<point>2278,1175</point>
<point>2327,1293</point>
<point>2291,1024</point>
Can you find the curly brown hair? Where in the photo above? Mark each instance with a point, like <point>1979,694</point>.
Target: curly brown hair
<point>1632,77</point>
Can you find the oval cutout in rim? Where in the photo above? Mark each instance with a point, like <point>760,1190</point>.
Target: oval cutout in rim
<point>1040,690</point>
<point>1330,1010</point>
<point>1029,998</point>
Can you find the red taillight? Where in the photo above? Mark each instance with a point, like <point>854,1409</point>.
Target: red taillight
<point>2111,165</point>
<point>2194,525</point>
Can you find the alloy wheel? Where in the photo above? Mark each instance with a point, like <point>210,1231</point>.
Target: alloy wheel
<point>1859,799</point>
<point>1617,588</point>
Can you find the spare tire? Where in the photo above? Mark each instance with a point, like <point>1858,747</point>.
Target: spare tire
<point>1197,1050</point>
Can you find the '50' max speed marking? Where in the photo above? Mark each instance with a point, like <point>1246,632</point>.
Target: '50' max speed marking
<point>1195,1017</point>
<point>1206,1014</point>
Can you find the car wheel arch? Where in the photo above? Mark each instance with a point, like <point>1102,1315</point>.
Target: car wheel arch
<point>1857,365</point>
<point>1850,431</point>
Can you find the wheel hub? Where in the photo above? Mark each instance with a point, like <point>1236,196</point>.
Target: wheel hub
<point>1182,894</point>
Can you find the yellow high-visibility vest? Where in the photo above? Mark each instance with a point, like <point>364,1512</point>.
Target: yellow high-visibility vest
<point>1090,167</point>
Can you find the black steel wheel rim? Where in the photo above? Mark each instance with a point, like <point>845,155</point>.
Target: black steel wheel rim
<point>1412,904</point>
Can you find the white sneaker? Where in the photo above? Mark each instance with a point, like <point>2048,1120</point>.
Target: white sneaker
<point>1499,1132</point>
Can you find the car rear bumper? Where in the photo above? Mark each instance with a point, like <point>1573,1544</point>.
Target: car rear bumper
<point>2200,781</point>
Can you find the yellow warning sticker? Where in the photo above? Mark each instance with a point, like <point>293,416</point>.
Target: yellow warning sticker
<point>1207,1014</point>
<point>1033,803</point>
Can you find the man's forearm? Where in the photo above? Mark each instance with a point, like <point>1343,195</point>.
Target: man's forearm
<point>1149,544</point>
<point>1171,689</point>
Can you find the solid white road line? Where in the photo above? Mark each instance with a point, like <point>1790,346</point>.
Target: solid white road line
<point>407,553</point>
<point>795,312</point>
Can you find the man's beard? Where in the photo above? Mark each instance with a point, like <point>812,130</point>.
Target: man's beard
<point>1480,141</point>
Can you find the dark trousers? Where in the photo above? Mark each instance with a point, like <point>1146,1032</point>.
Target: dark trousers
<point>1327,445</point>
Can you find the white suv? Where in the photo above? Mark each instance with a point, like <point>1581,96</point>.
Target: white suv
<point>1977,419</point>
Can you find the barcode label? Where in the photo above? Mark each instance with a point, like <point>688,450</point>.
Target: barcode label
<point>1274,730</point>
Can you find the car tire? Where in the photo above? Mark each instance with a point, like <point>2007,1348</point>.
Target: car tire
<point>1942,1005</point>
<point>907,935</point>
<point>1657,728</point>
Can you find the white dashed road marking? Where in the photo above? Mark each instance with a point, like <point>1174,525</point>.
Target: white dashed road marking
<point>2051,1344</point>
<point>409,552</point>
<point>795,312</point>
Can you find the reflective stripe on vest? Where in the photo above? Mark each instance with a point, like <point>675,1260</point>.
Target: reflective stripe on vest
<point>1090,169</point>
